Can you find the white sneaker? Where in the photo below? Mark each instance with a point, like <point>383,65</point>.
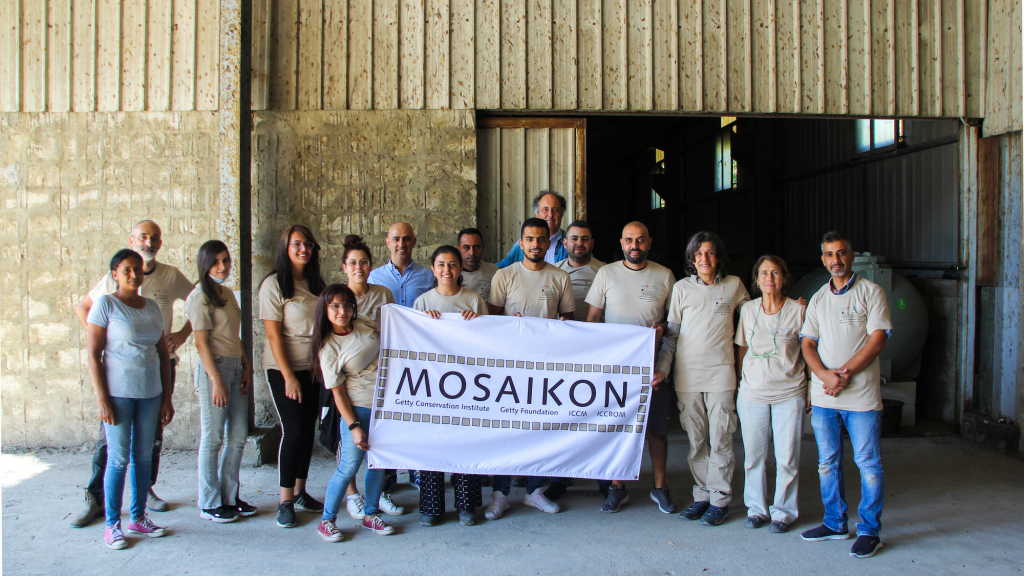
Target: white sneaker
<point>538,500</point>
<point>388,507</point>
<point>499,505</point>
<point>355,504</point>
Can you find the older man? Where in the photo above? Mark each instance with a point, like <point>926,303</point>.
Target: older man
<point>406,279</point>
<point>476,274</point>
<point>846,328</point>
<point>165,284</point>
<point>549,207</point>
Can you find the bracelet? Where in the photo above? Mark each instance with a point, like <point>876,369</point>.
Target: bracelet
<point>353,425</point>
<point>212,378</point>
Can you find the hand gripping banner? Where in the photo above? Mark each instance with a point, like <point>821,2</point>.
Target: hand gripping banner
<point>508,395</point>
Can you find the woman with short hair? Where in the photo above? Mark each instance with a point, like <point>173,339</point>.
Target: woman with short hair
<point>130,368</point>
<point>223,378</point>
<point>449,296</point>
<point>287,299</point>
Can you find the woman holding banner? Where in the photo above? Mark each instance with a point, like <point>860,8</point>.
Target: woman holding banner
<point>344,355</point>
<point>449,296</point>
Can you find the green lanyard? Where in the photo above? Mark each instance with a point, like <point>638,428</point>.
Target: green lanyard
<point>775,349</point>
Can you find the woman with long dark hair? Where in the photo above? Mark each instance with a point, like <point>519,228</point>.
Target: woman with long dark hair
<point>223,377</point>
<point>287,299</point>
<point>344,355</point>
<point>449,296</point>
<point>130,368</point>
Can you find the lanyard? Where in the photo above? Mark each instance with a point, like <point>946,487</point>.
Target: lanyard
<point>760,310</point>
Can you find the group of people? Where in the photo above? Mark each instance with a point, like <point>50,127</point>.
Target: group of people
<point>322,345</point>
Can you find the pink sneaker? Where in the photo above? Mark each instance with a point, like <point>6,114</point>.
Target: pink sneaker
<point>377,525</point>
<point>114,537</point>
<point>329,532</point>
<point>145,527</point>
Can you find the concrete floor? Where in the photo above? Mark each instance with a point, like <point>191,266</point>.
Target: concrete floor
<point>951,508</point>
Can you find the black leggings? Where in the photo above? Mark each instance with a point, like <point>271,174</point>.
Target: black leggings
<point>298,425</point>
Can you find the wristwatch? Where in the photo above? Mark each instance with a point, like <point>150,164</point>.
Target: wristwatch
<point>353,425</point>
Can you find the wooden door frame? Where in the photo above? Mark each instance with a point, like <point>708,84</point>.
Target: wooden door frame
<point>579,124</point>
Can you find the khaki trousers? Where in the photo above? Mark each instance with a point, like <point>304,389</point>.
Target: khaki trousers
<point>709,419</point>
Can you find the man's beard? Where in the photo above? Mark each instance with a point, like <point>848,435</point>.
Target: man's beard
<point>581,257</point>
<point>634,259</point>
<point>536,259</point>
<point>148,254</point>
<point>838,274</point>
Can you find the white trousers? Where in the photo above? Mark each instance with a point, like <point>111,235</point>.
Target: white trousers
<point>760,423</point>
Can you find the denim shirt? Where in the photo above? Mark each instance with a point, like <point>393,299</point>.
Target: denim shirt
<point>556,252</point>
<point>406,288</point>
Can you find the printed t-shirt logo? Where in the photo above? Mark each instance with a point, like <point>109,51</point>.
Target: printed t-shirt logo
<point>649,293</point>
<point>852,315</point>
<point>723,305</point>
<point>547,293</point>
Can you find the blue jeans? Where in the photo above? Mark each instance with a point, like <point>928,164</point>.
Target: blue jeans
<point>130,440</point>
<point>503,484</point>
<point>220,458</point>
<point>350,457</point>
<point>865,433</point>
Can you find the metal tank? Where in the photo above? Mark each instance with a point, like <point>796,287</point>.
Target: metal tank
<point>901,357</point>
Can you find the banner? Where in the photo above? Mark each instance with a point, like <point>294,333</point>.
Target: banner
<point>512,396</point>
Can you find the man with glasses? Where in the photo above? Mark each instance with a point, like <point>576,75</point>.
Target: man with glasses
<point>165,285</point>
<point>549,207</point>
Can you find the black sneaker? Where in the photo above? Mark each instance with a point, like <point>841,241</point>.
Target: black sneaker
<point>778,527</point>
<point>695,511</point>
<point>467,517</point>
<point>244,508</point>
<point>286,514</point>
<point>714,516</point>
<point>220,515</point>
<point>616,498</point>
<point>555,491</point>
<point>824,533</point>
<point>664,501</point>
<point>428,520</point>
<point>306,503</point>
<point>755,521</point>
<point>866,546</point>
<point>390,479</point>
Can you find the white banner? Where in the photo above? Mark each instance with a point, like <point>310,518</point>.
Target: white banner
<point>508,395</point>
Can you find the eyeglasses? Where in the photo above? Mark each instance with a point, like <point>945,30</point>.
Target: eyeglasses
<point>775,349</point>
<point>306,245</point>
<point>347,306</point>
<point>357,263</point>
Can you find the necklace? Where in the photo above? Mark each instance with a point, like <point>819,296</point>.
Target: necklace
<point>760,310</point>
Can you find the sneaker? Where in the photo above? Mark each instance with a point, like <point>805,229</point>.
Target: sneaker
<point>616,498</point>
<point>306,503</point>
<point>145,527</point>
<point>355,504</point>
<point>537,500</point>
<point>824,533</point>
<point>220,515</point>
<point>114,537</point>
<point>866,546</point>
<point>714,516</point>
<point>664,501</point>
<point>414,479</point>
<point>373,522</point>
<point>428,520</point>
<point>695,511</point>
<point>329,532</point>
<point>93,510</point>
<point>467,517</point>
<point>387,506</point>
<point>778,527</point>
<point>155,503</point>
<point>243,508</point>
<point>286,514</point>
<point>756,521</point>
<point>390,479</point>
<point>499,505</point>
<point>555,491</point>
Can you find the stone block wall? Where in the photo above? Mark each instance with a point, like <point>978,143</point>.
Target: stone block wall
<point>72,185</point>
<point>356,172</point>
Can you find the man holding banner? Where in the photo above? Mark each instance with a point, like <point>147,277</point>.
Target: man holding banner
<point>636,291</point>
<point>536,289</point>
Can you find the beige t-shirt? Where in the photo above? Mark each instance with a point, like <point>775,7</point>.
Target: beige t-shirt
<point>296,317</point>
<point>466,299</point>
<point>780,377</point>
<point>543,293</point>
<point>843,325</point>
<point>700,334</point>
<point>582,278</point>
<point>164,285</point>
<point>352,360</point>
<point>369,304</point>
<point>222,322</point>
<point>635,297</point>
<point>480,281</point>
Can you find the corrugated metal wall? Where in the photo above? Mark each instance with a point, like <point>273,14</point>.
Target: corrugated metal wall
<point>108,55</point>
<point>860,57</point>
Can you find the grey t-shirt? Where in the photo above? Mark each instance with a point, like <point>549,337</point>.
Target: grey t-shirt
<point>130,359</point>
